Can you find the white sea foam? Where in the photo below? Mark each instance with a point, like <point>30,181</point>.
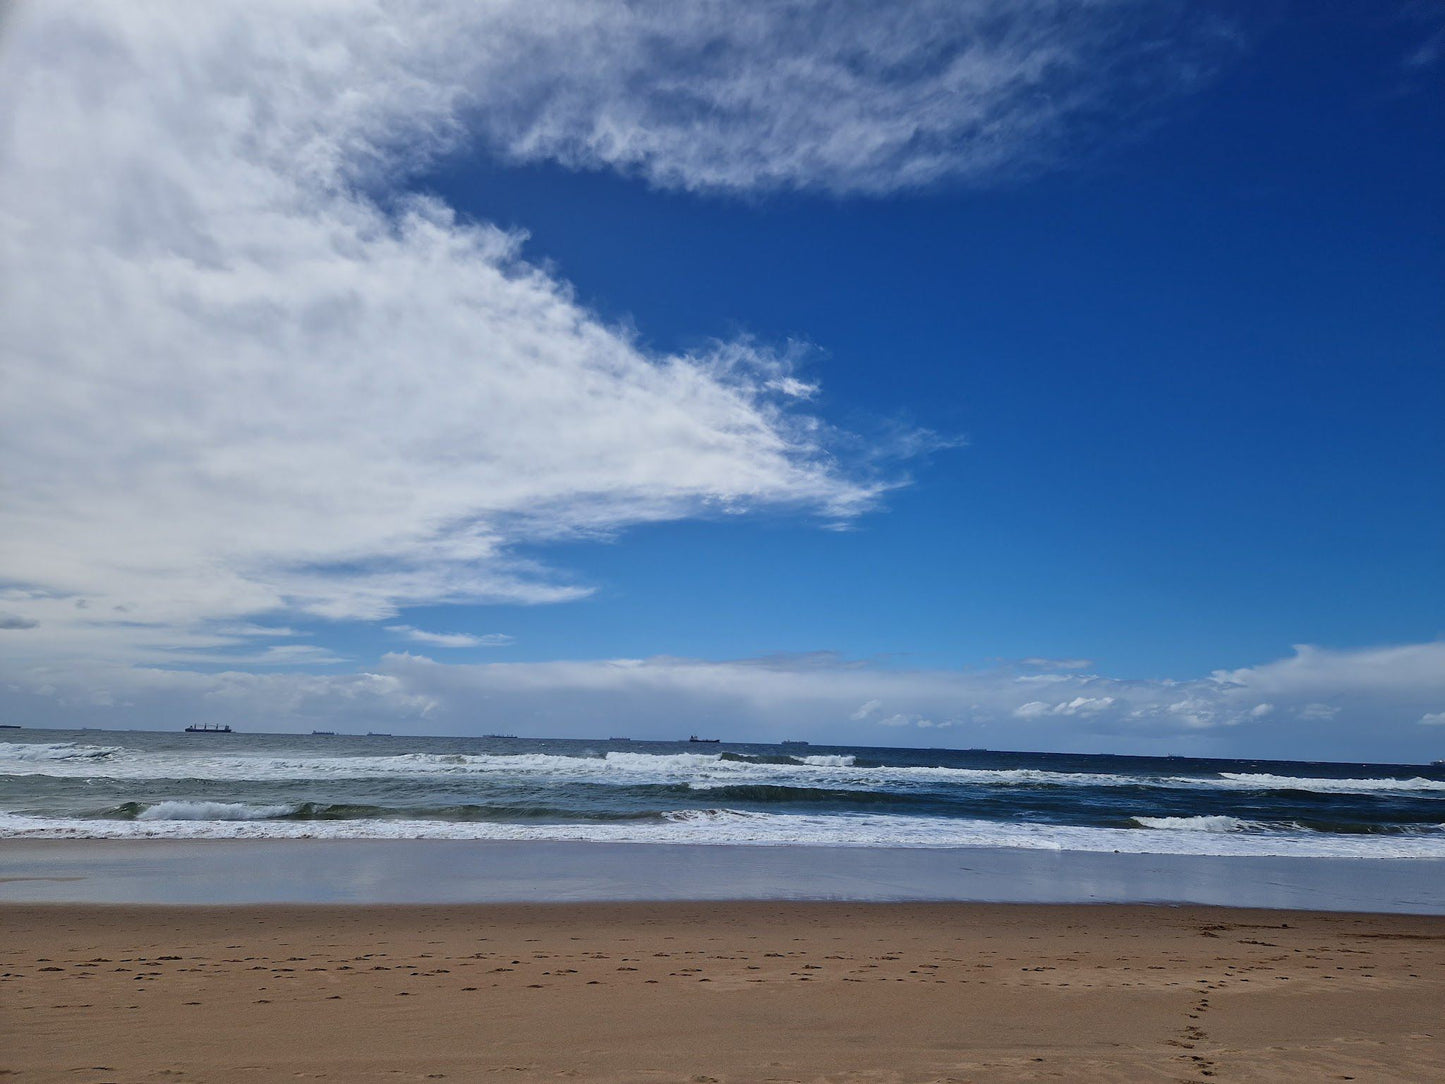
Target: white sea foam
<point>1196,824</point>
<point>42,753</point>
<point>212,811</point>
<point>725,826</point>
<point>1259,781</point>
<point>698,770</point>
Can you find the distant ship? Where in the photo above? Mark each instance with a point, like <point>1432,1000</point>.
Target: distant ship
<point>377,734</point>
<point>11,726</point>
<point>704,741</point>
<point>792,741</point>
<point>619,739</point>
<point>207,728</point>
<point>323,733</point>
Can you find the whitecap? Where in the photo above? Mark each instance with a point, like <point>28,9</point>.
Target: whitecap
<point>1196,824</point>
<point>212,811</point>
<point>740,827</point>
<point>39,753</point>
<point>1261,781</point>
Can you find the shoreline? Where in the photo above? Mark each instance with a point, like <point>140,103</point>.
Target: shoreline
<point>439,872</point>
<point>721,992</point>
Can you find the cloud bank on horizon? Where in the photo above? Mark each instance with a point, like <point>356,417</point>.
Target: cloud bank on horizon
<point>251,377</point>
<point>1373,704</point>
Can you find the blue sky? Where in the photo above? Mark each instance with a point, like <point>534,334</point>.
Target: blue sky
<point>1119,373</point>
<point>1199,377</point>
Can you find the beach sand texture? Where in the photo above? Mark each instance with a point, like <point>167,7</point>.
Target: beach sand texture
<point>718,992</point>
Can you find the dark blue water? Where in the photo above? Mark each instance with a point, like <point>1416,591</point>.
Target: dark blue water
<point>126,784</point>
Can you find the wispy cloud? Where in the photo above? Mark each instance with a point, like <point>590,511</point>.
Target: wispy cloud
<point>1079,705</point>
<point>1429,20</point>
<point>247,629</point>
<point>827,94</point>
<point>1039,662</point>
<point>294,655</point>
<point>451,639</point>
<point>272,655</point>
<point>1427,53</point>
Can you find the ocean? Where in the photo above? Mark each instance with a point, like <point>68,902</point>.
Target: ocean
<point>133,784</point>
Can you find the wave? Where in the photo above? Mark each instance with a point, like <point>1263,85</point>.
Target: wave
<point>772,792</point>
<point>702,770</point>
<point>1259,781</point>
<point>36,753</point>
<point>212,811</point>
<point>698,771</point>
<point>737,827</point>
<point>1197,824</point>
<point>359,812</point>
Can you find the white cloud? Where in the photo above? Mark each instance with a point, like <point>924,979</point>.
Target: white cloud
<point>294,655</point>
<point>1433,718</point>
<point>247,375</point>
<point>451,639</point>
<point>249,629</point>
<point>901,719</point>
<point>1325,670</point>
<point>866,710</point>
<point>272,655</point>
<point>237,385</point>
<point>1079,705</point>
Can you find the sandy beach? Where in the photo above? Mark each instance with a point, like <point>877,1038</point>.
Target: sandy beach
<point>718,992</point>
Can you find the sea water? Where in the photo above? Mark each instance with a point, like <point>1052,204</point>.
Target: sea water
<point>102,785</point>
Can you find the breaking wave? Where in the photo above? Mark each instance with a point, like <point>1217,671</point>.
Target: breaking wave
<point>52,752</point>
<point>212,811</point>
<point>741,827</point>
<point>1258,781</point>
<point>279,786</point>
<point>1197,824</point>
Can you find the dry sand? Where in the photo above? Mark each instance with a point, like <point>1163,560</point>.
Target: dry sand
<point>718,992</point>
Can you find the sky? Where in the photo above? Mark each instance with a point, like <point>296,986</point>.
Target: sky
<point>1004,373</point>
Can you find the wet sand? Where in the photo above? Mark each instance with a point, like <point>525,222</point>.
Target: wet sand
<point>718,991</point>
<point>366,871</point>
